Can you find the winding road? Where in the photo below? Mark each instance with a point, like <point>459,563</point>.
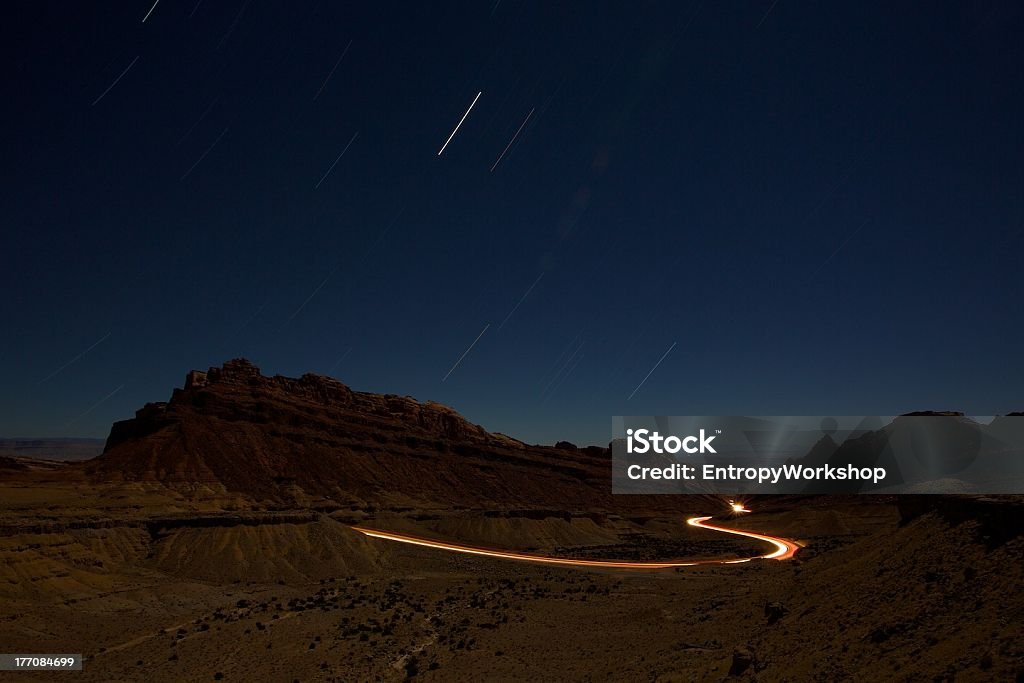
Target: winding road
<point>784,549</point>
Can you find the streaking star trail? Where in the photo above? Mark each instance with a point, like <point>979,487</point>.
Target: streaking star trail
<point>466,353</point>
<point>652,371</point>
<point>328,172</point>
<point>520,302</point>
<point>202,156</point>
<point>150,11</point>
<point>335,68</point>
<point>75,359</point>
<point>459,124</point>
<point>512,141</point>
<point>116,81</point>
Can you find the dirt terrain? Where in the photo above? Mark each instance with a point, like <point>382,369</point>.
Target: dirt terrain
<point>202,546</point>
<point>873,598</point>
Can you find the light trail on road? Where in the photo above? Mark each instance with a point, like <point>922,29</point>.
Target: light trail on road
<point>784,549</point>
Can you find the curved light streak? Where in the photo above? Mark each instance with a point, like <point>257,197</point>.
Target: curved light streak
<point>784,549</point>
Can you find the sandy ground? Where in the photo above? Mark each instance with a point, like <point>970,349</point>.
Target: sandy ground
<point>867,599</point>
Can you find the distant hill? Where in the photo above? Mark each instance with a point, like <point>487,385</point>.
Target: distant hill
<point>68,449</point>
<point>946,453</point>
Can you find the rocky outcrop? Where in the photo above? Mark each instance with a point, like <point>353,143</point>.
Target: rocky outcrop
<point>270,437</point>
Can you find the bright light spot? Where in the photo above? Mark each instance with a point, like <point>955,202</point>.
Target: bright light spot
<point>737,507</point>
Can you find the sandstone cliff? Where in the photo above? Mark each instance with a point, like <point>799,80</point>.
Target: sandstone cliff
<point>273,438</point>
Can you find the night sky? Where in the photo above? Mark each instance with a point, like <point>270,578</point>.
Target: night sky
<point>814,208</point>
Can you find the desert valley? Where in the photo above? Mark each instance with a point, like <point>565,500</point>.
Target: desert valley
<point>218,537</point>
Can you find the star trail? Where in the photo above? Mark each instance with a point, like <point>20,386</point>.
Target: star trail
<point>541,215</point>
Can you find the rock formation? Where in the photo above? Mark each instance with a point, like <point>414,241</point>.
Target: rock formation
<point>270,437</point>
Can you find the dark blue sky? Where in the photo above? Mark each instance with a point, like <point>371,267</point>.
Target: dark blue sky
<point>821,205</point>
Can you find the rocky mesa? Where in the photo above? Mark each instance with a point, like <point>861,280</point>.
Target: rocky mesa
<point>276,438</point>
